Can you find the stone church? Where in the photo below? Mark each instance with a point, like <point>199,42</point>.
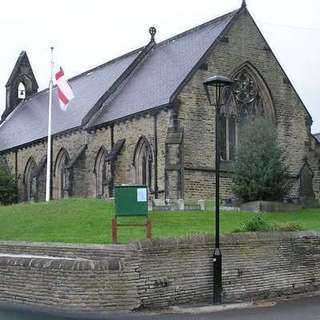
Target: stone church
<point>144,118</point>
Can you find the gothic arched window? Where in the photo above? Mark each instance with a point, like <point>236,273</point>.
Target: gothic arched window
<point>306,183</point>
<point>63,177</point>
<point>29,180</point>
<point>247,99</point>
<point>142,162</point>
<point>102,172</point>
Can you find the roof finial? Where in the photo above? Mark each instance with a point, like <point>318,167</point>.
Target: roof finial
<point>152,31</point>
<point>244,4</point>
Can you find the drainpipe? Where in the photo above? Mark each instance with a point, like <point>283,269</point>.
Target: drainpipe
<point>112,164</point>
<point>156,189</point>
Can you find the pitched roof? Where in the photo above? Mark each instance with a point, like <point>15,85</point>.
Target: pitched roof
<point>28,122</point>
<point>317,136</point>
<point>151,83</point>
<point>22,60</point>
<point>166,67</point>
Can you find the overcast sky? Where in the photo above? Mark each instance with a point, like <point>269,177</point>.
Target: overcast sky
<point>86,33</point>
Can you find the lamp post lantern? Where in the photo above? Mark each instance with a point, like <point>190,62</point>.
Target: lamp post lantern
<point>213,87</point>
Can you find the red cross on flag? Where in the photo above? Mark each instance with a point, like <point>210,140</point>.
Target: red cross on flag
<point>64,91</point>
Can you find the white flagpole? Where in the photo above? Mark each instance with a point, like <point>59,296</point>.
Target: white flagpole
<point>48,181</point>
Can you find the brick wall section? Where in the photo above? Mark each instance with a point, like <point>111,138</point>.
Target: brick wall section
<point>159,273</point>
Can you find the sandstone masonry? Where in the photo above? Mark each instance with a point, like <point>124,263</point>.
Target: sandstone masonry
<point>168,146</point>
<point>157,273</point>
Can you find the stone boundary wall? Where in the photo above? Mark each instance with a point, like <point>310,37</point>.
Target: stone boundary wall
<point>94,252</point>
<point>255,266</point>
<point>157,273</point>
<point>51,276</point>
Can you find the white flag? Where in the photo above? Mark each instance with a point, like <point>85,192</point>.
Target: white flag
<point>64,91</point>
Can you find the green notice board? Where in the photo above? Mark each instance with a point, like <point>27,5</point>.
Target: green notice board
<point>131,200</point>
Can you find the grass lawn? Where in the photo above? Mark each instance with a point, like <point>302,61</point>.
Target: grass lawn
<point>89,221</point>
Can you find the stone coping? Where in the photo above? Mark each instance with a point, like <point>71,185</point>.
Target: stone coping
<point>112,264</point>
<point>33,256</point>
<point>194,240</point>
<point>116,247</point>
<point>235,238</point>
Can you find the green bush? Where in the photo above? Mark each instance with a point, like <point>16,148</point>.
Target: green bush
<point>258,224</point>
<point>260,170</point>
<point>255,224</point>
<point>8,188</point>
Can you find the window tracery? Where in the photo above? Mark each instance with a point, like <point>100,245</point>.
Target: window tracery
<point>247,99</point>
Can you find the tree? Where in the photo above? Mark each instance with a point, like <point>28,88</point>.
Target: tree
<point>8,187</point>
<point>260,170</point>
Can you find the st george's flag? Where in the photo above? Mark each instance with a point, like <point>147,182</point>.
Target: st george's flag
<point>64,91</point>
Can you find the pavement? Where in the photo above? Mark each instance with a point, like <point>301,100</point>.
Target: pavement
<point>217,308</point>
<point>306,307</point>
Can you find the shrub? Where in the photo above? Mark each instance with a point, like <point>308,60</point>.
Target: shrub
<point>8,188</point>
<point>255,224</point>
<point>260,170</point>
<point>258,224</point>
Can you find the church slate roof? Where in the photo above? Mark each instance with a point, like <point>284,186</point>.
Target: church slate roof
<point>166,67</point>
<point>29,121</point>
<point>152,83</point>
<point>317,136</point>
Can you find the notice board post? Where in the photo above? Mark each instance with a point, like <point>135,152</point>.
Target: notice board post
<point>131,201</point>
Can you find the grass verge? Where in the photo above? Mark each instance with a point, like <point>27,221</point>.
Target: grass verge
<point>89,221</point>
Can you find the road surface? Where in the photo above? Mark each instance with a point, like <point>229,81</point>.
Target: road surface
<point>300,309</point>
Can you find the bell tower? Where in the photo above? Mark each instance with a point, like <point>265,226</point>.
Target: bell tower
<point>21,84</point>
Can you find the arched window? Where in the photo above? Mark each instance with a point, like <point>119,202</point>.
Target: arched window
<point>306,183</point>
<point>41,178</point>
<point>21,91</point>
<point>62,185</point>
<point>102,172</point>
<point>248,98</point>
<point>142,162</point>
<point>29,180</point>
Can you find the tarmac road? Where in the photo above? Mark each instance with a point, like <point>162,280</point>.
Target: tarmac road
<point>301,309</point>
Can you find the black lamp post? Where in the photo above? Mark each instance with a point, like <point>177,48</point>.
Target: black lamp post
<point>213,87</point>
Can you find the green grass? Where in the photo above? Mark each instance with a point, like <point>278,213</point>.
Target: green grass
<point>89,221</point>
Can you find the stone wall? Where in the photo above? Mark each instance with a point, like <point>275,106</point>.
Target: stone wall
<point>91,252</point>
<point>71,285</point>
<point>157,273</point>
<point>254,266</point>
<point>84,178</point>
<point>201,183</point>
<point>241,44</point>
